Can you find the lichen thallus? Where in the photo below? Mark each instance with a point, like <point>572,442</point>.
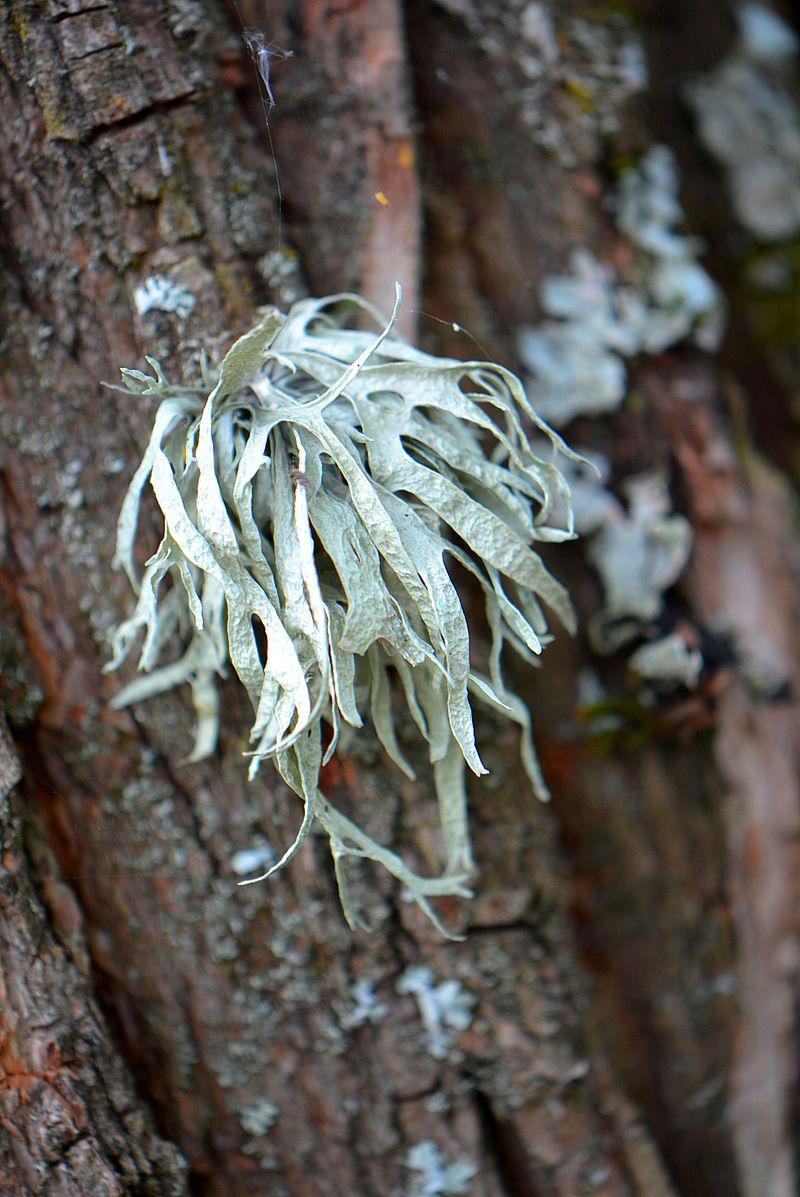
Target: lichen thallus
<point>310,501</point>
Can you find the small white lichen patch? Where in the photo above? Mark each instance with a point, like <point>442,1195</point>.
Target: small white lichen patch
<point>442,1008</point>
<point>638,554</point>
<point>748,117</point>
<point>679,298</point>
<point>251,860</point>
<point>366,1006</point>
<point>280,269</point>
<point>669,659</point>
<point>576,358</point>
<point>536,26</point>
<point>435,1177</point>
<point>258,1117</point>
<point>765,36</point>
<point>159,293</point>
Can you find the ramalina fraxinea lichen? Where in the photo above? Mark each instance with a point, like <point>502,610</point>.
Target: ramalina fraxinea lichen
<point>310,502</point>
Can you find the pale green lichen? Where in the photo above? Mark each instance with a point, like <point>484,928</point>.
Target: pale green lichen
<point>310,501</point>
<point>749,119</point>
<point>443,1008</point>
<point>667,660</point>
<point>435,1177</point>
<point>576,358</point>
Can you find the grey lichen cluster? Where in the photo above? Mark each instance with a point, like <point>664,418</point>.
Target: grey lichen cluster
<point>748,117</point>
<point>312,500</point>
<point>596,320</point>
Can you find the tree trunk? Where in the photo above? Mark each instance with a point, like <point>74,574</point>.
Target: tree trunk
<point>631,952</point>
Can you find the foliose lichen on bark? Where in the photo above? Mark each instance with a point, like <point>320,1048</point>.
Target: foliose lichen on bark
<point>311,493</point>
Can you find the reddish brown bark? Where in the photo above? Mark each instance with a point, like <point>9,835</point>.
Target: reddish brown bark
<point>71,1123</point>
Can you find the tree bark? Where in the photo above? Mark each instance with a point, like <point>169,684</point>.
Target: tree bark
<point>631,953</point>
<point>71,1122</point>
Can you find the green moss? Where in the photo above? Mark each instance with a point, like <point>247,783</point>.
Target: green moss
<point>619,724</point>
<point>581,93</point>
<point>618,164</point>
<point>235,290</point>
<point>636,402</point>
<point>774,311</point>
<point>178,219</point>
<point>19,23</point>
<point>602,14</point>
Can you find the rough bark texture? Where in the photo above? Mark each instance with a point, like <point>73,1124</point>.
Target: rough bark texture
<point>632,952</point>
<point>71,1121</point>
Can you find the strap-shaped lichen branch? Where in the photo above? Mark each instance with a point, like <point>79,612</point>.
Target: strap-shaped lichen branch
<point>310,503</point>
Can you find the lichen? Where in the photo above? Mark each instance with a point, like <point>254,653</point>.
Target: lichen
<point>666,660</point>
<point>251,860</point>
<point>366,1006</point>
<point>573,74</point>
<point>443,1008</point>
<point>597,66</point>
<point>162,294</point>
<point>257,1117</point>
<point>638,553</point>
<point>576,359</point>
<point>436,1178</point>
<point>639,549</point>
<point>280,270</point>
<point>310,499</point>
<point>748,118</point>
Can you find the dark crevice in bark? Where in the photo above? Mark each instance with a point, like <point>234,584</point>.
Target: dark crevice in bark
<point>526,925</point>
<point>60,17</point>
<point>417,1095</point>
<point>508,1156</point>
<point>157,108</point>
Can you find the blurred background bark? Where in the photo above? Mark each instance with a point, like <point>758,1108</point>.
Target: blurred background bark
<point>628,976</point>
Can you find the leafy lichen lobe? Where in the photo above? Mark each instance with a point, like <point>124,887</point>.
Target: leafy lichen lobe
<point>311,501</point>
